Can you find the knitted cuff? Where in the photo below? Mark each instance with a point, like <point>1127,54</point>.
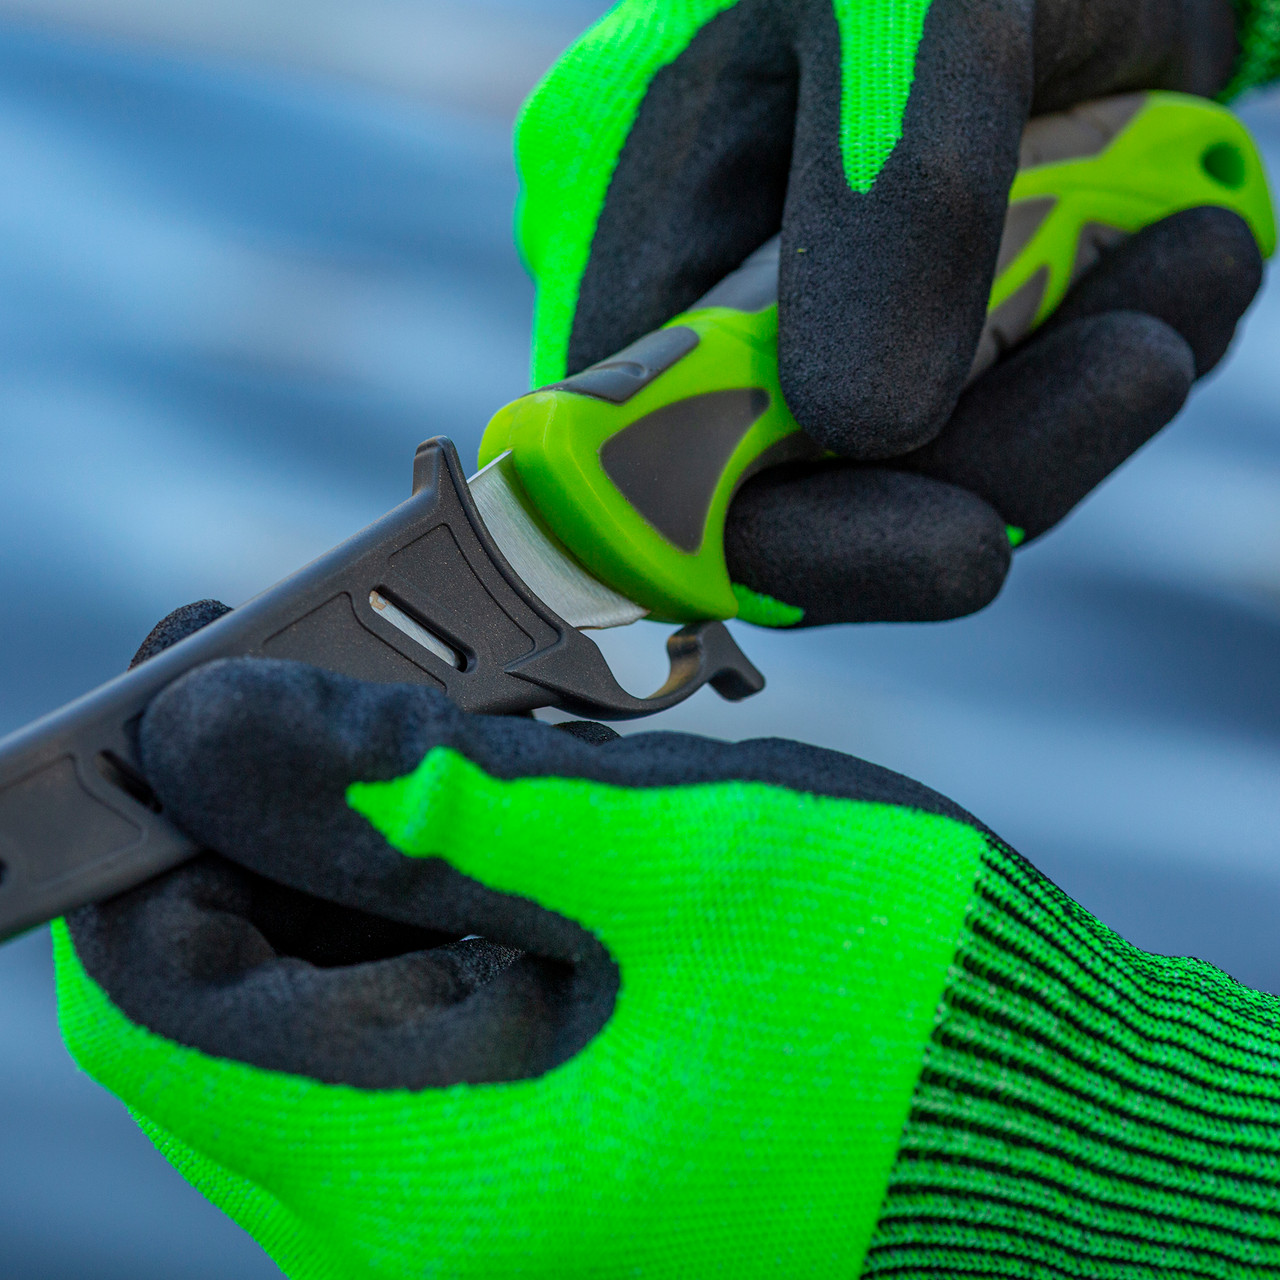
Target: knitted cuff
<point>1258,22</point>
<point>1085,1109</point>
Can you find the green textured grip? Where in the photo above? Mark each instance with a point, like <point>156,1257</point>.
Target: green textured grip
<point>1091,176</point>
<point>633,462</point>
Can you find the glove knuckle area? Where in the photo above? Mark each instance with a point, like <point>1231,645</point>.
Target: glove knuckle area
<point>260,760</point>
<point>733,1070</point>
<point>1091,48</point>
<point>244,751</point>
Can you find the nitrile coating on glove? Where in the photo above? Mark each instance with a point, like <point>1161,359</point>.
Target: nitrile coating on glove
<point>818,1017</point>
<point>676,136</point>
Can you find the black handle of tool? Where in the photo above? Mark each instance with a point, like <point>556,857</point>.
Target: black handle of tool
<point>77,820</point>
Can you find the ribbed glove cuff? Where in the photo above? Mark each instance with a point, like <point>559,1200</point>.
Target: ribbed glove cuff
<point>1085,1109</point>
<point>1258,22</point>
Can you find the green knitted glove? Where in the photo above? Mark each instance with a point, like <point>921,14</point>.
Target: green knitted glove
<point>881,136</point>
<point>739,1010</point>
<point>677,135</point>
<point>1258,24</point>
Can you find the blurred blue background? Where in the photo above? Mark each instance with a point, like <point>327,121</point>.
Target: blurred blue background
<point>251,253</point>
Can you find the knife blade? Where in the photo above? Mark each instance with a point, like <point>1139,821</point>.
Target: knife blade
<point>539,557</point>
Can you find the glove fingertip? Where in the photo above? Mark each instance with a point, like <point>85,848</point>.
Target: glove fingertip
<point>178,625</point>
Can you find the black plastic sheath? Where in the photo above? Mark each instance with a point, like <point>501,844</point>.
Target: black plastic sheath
<point>78,822</point>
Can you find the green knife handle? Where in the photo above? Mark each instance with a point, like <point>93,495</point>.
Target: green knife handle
<point>634,461</point>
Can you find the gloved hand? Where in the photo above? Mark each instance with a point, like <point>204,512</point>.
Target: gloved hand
<point>928,535</point>
<point>741,1010</point>
<point>678,135</point>
<point>674,138</point>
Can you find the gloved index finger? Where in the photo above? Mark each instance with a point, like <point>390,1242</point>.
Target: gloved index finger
<point>894,212</point>
<point>656,156</point>
<point>678,135</point>
<point>900,177</point>
<point>269,763</point>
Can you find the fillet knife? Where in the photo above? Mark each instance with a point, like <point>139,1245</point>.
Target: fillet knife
<point>602,501</point>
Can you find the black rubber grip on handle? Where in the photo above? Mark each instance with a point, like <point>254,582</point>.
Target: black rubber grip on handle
<point>77,820</point>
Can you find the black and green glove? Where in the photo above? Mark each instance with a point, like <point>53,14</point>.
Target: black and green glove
<point>675,137</point>
<point>751,1009</point>
<point>882,138</point>
<point>928,535</point>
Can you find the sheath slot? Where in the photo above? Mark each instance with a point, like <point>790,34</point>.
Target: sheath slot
<point>127,779</point>
<point>416,631</point>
